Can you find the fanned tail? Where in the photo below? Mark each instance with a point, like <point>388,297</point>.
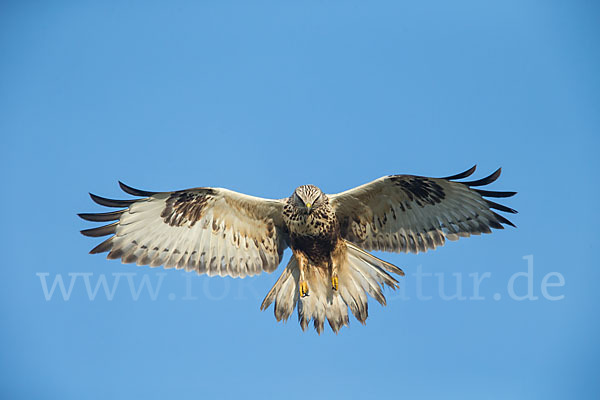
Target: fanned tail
<point>359,274</point>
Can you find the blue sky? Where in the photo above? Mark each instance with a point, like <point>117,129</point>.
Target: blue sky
<point>261,97</point>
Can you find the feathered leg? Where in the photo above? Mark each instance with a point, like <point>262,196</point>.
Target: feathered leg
<point>303,263</point>
<point>337,258</point>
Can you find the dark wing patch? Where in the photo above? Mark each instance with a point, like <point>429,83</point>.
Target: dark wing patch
<point>419,189</point>
<point>185,206</point>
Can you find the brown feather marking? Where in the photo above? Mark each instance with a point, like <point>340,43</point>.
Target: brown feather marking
<point>186,206</point>
<point>419,189</point>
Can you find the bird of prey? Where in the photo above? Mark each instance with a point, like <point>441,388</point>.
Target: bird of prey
<point>217,231</point>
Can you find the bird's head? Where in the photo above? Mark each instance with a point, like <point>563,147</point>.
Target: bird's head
<point>308,198</point>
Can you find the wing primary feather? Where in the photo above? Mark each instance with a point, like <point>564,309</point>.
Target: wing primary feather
<point>503,220</point>
<point>485,181</point>
<point>464,174</point>
<point>500,207</point>
<point>101,217</point>
<point>490,193</point>
<point>101,231</point>
<point>103,247</point>
<point>135,192</point>
<point>110,202</point>
<point>115,254</point>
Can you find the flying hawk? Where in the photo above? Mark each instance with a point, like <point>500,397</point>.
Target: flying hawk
<point>220,232</point>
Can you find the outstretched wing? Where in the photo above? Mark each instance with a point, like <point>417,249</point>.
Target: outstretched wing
<point>415,213</point>
<point>209,230</point>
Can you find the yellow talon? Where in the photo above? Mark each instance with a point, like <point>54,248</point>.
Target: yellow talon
<point>334,282</point>
<point>303,289</point>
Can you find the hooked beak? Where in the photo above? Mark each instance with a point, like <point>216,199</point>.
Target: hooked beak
<point>308,206</point>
